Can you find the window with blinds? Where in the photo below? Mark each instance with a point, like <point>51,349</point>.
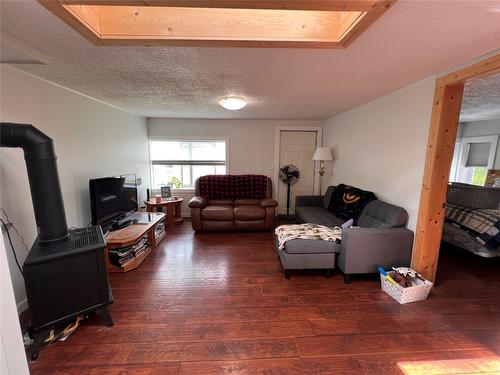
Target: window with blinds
<point>472,158</point>
<point>478,154</point>
<point>182,162</point>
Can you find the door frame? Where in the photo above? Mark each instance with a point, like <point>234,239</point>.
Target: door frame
<point>277,138</point>
<point>448,95</point>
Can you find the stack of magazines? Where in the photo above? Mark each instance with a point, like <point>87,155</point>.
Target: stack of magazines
<point>120,257</point>
<point>160,230</point>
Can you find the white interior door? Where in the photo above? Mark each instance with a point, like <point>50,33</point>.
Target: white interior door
<point>297,148</point>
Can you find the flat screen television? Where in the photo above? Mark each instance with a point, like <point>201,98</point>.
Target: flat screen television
<point>112,198</point>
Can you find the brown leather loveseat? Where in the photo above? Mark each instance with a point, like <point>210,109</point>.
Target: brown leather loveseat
<point>228,202</point>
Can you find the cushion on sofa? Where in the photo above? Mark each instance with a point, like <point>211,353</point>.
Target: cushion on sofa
<point>249,212</point>
<point>328,196</point>
<point>238,202</point>
<point>233,186</point>
<point>217,213</point>
<point>317,215</point>
<point>378,214</point>
<point>221,202</point>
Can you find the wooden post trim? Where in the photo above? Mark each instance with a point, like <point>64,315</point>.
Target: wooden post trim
<point>442,136</point>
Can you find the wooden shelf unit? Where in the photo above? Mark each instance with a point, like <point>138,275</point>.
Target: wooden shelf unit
<point>162,236</point>
<point>148,222</point>
<point>133,264</point>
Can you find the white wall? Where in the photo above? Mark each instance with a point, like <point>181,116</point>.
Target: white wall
<point>92,139</point>
<point>251,142</point>
<point>12,355</point>
<point>482,128</point>
<point>380,146</point>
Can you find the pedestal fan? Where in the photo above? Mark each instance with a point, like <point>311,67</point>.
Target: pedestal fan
<point>289,175</point>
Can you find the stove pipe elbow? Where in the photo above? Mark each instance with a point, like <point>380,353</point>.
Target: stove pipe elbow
<point>43,178</point>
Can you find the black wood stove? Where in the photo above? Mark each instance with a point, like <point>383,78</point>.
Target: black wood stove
<point>65,271</point>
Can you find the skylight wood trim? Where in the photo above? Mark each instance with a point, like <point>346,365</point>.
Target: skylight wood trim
<point>73,20</point>
<point>219,26</point>
<point>321,5</point>
<point>348,20</point>
<point>88,15</point>
<point>362,24</point>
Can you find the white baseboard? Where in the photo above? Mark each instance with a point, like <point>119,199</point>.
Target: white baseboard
<point>22,306</point>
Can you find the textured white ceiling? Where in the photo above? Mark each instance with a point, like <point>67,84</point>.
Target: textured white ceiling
<point>413,40</point>
<point>481,100</point>
<point>12,55</point>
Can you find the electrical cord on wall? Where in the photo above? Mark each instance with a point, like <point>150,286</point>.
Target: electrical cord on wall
<point>12,245</point>
<point>11,224</point>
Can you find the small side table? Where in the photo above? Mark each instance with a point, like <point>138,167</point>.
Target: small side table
<point>173,209</point>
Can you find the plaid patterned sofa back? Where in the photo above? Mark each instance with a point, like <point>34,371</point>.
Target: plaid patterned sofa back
<point>214,187</point>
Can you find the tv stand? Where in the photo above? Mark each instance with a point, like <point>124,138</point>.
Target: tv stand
<point>144,225</point>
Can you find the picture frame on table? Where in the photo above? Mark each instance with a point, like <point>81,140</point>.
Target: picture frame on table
<point>166,192</point>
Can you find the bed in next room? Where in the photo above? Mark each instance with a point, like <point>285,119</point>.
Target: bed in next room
<point>472,219</point>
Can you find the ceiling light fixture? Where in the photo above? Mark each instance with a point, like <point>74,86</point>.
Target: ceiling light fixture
<point>233,103</point>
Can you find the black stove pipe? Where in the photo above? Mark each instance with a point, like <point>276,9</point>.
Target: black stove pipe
<point>43,179</point>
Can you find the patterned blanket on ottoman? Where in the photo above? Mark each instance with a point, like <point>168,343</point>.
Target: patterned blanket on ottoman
<point>308,231</point>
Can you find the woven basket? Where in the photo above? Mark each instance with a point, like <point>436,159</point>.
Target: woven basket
<point>406,295</point>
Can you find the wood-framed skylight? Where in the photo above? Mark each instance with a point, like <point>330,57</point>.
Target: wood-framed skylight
<point>224,23</point>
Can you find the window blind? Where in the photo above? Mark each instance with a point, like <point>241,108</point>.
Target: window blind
<point>183,161</point>
<point>478,154</point>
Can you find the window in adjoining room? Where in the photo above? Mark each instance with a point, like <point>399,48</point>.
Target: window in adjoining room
<point>180,162</point>
<point>472,158</point>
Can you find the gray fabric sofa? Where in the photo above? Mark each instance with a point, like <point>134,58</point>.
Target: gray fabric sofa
<point>380,239</point>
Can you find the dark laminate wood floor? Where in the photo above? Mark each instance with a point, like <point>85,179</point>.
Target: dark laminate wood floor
<point>219,304</point>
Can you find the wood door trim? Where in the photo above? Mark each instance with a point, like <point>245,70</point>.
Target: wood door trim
<point>442,135</point>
